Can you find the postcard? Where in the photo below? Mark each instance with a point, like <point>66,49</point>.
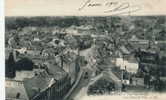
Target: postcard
<point>85,50</point>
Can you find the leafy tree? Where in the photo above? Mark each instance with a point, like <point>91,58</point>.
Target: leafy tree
<point>10,66</point>
<point>24,64</point>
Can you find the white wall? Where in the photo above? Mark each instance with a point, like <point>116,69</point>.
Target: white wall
<point>130,66</point>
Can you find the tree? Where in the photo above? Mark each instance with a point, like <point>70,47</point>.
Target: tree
<point>10,66</point>
<point>24,64</point>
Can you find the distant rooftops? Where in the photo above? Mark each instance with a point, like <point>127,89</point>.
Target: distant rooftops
<point>135,39</point>
<point>124,50</point>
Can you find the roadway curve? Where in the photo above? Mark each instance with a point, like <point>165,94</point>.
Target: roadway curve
<point>80,79</point>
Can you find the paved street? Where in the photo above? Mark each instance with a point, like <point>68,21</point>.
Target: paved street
<point>83,91</point>
<point>81,85</point>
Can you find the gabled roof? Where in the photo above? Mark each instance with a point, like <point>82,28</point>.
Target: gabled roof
<point>124,50</point>
<point>134,38</point>
<point>56,72</point>
<point>36,84</point>
<point>43,80</point>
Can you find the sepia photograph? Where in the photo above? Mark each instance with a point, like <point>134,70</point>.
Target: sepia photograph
<point>72,57</point>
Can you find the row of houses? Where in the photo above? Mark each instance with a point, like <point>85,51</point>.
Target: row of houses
<point>51,85</point>
<point>50,82</point>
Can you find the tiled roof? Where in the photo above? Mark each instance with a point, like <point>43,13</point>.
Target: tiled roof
<point>56,72</point>
<point>36,84</point>
<point>124,50</point>
<point>43,80</point>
